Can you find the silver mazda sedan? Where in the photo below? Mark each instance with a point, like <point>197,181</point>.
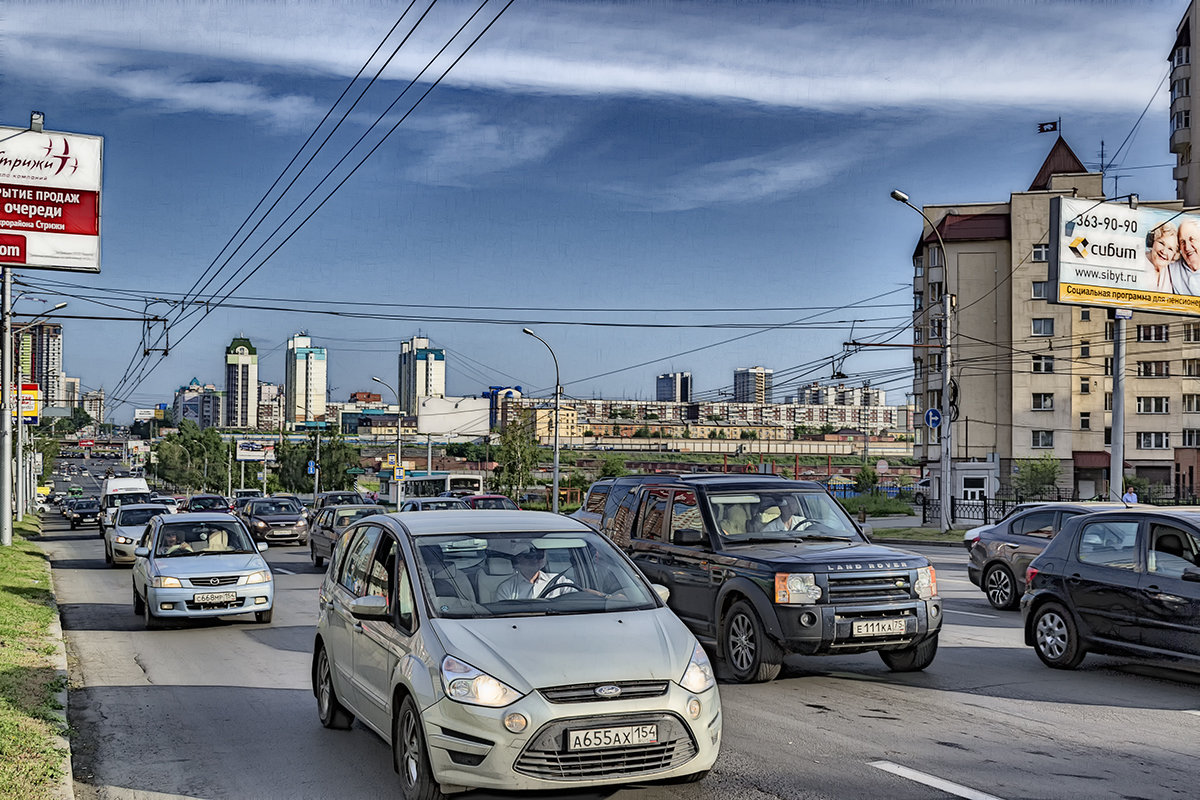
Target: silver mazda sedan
<point>511,650</point>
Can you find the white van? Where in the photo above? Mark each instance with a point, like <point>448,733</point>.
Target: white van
<point>120,491</point>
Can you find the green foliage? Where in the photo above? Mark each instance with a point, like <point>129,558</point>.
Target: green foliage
<point>1139,484</point>
<point>876,505</point>
<point>866,480</point>
<point>192,458</point>
<point>335,458</point>
<point>1035,475</point>
<point>516,455</point>
<point>623,413</point>
<point>471,451</point>
<point>576,480</point>
<point>748,435</point>
<point>613,467</point>
<point>650,415</point>
<point>642,433</point>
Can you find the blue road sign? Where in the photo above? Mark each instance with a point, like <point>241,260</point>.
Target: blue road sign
<point>933,418</point>
<point>312,469</point>
<point>311,464</point>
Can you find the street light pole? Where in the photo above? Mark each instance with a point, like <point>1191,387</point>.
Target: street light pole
<point>557,394</point>
<point>24,492</point>
<point>947,455</point>
<point>396,468</point>
<point>6,360</point>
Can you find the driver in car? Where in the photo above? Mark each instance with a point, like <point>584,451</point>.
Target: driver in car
<point>530,580</point>
<point>789,518</point>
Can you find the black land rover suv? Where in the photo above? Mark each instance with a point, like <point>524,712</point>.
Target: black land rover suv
<point>762,566</point>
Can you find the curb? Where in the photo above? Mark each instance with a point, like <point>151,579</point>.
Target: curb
<point>66,784</point>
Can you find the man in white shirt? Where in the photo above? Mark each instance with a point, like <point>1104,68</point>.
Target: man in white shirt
<point>789,518</point>
<point>530,579</point>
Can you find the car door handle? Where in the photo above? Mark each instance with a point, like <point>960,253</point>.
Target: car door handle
<point>1166,598</point>
<point>1009,544</point>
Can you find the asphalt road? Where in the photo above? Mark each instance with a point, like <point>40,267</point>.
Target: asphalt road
<point>224,710</point>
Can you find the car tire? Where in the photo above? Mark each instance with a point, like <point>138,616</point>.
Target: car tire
<point>409,756</point>
<point>264,616</point>
<point>332,713</point>
<point>911,659</point>
<point>108,558</point>
<point>318,561</point>
<point>1000,587</point>
<point>151,621</point>
<point>74,525</point>
<point>751,655</point>
<point>139,607</point>
<point>1055,637</point>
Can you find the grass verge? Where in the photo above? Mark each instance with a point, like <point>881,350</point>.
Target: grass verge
<point>30,764</point>
<point>917,534</point>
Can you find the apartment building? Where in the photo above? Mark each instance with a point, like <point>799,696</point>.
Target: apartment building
<point>1035,378</point>
<point>422,372</point>
<point>752,384</point>
<point>305,381</point>
<point>241,384</point>
<point>673,387</point>
<point>1187,157</point>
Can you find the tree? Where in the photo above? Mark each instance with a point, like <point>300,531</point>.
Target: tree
<point>866,480</point>
<point>336,456</point>
<point>613,467</point>
<point>516,455</point>
<point>1036,475</point>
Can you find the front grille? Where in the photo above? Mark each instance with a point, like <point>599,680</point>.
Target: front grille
<point>873,587</point>
<point>586,692</point>
<point>281,524</point>
<point>546,756</point>
<point>220,580</point>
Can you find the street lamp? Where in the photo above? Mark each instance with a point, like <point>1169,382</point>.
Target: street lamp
<point>946,489</point>
<point>396,468</point>
<point>557,393</point>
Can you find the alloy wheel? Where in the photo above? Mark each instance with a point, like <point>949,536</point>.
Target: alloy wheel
<point>1052,635</point>
<point>742,647</point>
<point>412,748</point>
<point>999,587</point>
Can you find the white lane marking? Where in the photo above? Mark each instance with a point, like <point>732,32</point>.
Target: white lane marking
<point>970,613</point>
<point>956,789</point>
<point>283,571</point>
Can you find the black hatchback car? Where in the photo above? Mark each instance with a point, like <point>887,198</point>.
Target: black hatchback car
<point>1118,582</point>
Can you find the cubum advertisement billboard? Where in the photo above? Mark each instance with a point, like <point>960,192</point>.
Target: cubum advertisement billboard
<point>1109,254</point>
<point>249,450</point>
<point>50,199</point>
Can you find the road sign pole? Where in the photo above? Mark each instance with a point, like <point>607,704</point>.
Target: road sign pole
<point>6,359</point>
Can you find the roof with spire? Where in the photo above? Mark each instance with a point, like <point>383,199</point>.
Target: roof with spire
<point>1060,161</point>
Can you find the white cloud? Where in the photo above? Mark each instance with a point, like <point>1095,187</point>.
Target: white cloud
<point>466,146</point>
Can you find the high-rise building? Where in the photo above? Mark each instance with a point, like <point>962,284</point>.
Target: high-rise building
<point>674,387</point>
<point>270,406</point>
<point>304,383</point>
<point>241,384</point>
<point>39,358</point>
<point>422,373</point>
<point>93,403</point>
<point>752,385</point>
<point>1034,378</point>
<point>70,391</point>
<point>201,403</point>
<point>1187,156</point>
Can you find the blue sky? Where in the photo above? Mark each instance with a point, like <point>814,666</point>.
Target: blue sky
<point>656,167</point>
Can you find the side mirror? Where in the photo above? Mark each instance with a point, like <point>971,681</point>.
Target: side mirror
<point>1191,574</point>
<point>866,530</point>
<point>688,537</point>
<point>663,592</point>
<point>370,607</point>
<point>141,552</point>
<point>263,547</point>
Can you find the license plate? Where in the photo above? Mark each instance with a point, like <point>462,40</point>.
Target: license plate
<point>599,738</point>
<point>877,627</point>
<point>215,597</point>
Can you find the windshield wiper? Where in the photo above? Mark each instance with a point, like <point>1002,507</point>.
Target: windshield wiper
<point>757,539</point>
<point>825,537</point>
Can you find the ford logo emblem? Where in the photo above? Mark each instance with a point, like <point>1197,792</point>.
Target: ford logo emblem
<point>608,690</point>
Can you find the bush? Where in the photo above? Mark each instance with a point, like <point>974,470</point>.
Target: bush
<point>876,505</point>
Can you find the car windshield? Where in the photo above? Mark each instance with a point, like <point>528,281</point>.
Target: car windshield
<point>441,505</point>
<point>87,505</point>
<point>495,502</point>
<point>197,538</point>
<point>131,498</point>
<point>780,515</point>
<point>350,515</point>
<point>527,574</point>
<point>137,516</point>
<point>207,502</point>
<point>274,507</point>
<point>341,499</point>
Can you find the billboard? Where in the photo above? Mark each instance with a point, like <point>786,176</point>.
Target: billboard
<point>50,199</point>
<point>31,403</point>
<point>141,414</point>
<point>453,416</point>
<point>1108,254</point>
<point>250,450</point>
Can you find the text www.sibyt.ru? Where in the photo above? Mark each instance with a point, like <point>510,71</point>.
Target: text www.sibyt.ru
<point>1107,275</point>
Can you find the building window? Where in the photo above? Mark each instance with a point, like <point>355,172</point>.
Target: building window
<point>935,363</point>
<point>1043,401</point>
<point>1191,437</point>
<point>1043,363</point>
<point>1108,367</point>
<point>935,256</point>
<point>919,266</point>
<point>1109,331</point>
<point>1180,120</point>
<point>1043,326</point>
<point>1108,436</point>
<point>1039,290</point>
<point>1182,56</point>
<point>1191,367</point>
<point>1042,439</point>
<point>918,335</point>
<point>917,368</point>
<point>1153,440</point>
<point>1191,331</point>
<point>918,301</point>
<point>1191,403</point>
<point>1085,420</point>
<point>1154,369</point>
<point>1108,401</point>
<point>1181,88</point>
<point>935,329</point>
<point>1041,252</point>
<point>1085,315</point>
<point>935,291</point>
<point>1152,333</point>
<point>1085,349</point>
<point>1085,386</point>
<point>1152,405</point>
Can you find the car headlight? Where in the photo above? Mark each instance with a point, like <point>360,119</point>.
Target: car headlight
<point>123,540</point>
<point>698,677</point>
<point>466,684</point>
<point>262,576</point>
<point>165,582</point>
<point>926,583</point>
<point>258,523</point>
<point>796,587</point>
<point>301,523</point>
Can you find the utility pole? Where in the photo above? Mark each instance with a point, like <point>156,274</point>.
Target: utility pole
<point>6,360</point>
<point>1116,462</point>
<point>317,470</point>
